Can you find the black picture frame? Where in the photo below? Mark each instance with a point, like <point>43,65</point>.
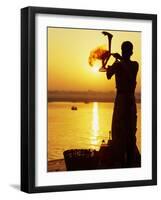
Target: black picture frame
<point>28,98</point>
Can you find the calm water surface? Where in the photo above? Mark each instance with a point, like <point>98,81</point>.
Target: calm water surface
<point>83,128</point>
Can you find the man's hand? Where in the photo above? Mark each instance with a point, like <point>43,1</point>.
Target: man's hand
<point>117,56</point>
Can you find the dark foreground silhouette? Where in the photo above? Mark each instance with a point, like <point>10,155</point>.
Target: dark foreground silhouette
<point>124,116</point>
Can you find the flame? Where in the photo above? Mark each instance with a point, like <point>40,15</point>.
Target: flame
<point>99,53</point>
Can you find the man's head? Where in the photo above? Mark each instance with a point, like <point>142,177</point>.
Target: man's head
<point>127,49</point>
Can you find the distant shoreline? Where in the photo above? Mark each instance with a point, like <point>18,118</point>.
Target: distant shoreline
<point>79,101</point>
<point>86,97</point>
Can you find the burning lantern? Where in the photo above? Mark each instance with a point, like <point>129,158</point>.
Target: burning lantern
<point>100,53</point>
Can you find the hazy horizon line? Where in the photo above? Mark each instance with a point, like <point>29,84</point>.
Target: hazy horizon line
<point>111,91</point>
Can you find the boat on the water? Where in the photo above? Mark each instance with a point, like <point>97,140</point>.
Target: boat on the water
<point>74,108</point>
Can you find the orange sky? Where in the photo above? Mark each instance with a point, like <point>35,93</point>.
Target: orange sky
<point>68,52</point>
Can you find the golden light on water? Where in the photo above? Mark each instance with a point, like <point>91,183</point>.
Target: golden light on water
<point>95,121</point>
<point>95,124</point>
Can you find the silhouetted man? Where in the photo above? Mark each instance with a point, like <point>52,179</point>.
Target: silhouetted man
<point>124,115</point>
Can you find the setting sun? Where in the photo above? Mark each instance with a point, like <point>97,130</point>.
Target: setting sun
<point>68,58</point>
<point>95,69</point>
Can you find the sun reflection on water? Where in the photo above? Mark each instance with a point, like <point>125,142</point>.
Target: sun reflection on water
<point>95,122</point>
<point>95,125</point>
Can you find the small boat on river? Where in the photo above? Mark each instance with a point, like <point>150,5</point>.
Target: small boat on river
<point>74,108</point>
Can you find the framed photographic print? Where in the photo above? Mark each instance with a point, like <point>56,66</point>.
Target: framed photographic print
<point>88,99</point>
